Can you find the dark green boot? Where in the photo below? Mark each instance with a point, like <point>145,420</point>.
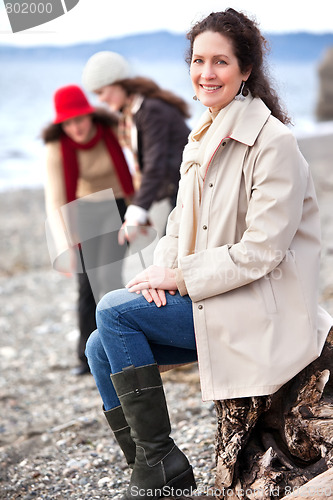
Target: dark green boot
<point>121,430</point>
<point>160,468</point>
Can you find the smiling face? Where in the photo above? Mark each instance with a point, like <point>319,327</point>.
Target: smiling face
<point>215,72</point>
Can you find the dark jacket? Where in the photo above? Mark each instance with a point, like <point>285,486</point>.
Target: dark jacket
<point>162,135</point>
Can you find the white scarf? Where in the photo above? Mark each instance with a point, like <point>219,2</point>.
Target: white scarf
<point>204,141</point>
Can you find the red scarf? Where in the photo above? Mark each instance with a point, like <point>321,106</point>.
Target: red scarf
<point>71,167</point>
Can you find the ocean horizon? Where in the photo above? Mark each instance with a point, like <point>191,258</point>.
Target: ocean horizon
<point>29,79</point>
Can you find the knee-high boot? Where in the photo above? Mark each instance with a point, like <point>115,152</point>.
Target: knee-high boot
<point>160,468</point>
<point>121,430</point>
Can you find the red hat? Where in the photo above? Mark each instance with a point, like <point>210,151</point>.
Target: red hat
<point>70,102</point>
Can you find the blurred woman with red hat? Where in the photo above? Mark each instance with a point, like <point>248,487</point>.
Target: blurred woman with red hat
<point>84,163</point>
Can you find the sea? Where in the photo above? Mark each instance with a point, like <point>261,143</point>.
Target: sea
<point>28,81</point>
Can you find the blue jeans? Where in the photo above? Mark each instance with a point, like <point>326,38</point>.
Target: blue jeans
<point>132,331</point>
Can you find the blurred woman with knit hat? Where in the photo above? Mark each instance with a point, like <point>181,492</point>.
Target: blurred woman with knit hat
<point>85,162</point>
<point>152,130</point>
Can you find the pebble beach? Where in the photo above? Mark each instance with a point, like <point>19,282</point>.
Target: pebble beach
<point>54,440</point>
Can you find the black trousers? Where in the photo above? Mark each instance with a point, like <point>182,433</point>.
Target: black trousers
<point>86,314</point>
<point>101,259</point>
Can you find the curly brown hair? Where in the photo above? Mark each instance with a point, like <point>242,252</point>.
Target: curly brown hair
<point>148,88</point>
<point>250,48</point>
<point>54,131</point>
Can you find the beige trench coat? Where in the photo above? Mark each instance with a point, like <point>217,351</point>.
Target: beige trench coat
<point>253,277</point>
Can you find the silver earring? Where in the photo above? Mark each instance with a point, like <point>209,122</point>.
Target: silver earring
<point>239,96</point>
<point>195,98</point>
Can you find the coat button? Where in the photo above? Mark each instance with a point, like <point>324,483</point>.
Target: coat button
<point>204,227</point>
<point>224,143</point>
<point>200,307</point>
<point>210,184</point>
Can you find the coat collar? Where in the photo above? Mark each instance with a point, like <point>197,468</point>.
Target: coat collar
<point>253,119</point>
<point>240,121</point>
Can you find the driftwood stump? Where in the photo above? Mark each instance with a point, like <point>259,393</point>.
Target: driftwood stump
<point>268,447</point>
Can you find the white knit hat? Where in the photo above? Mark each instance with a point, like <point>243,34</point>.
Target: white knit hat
<point>104,68</point>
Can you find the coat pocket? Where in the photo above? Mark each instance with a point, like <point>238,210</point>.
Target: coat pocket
<point>267,292</point>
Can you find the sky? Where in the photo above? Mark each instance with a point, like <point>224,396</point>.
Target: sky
<point>95,20</point>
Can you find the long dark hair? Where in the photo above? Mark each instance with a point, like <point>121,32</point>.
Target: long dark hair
<point>250,48</point>
<point>148,88</point>
<point>54,131</point>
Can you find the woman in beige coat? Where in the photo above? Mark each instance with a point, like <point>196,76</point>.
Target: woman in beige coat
<point>240,261</point>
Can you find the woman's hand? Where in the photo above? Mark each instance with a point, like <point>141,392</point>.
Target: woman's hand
<point>69,266</point>
<point>153,277</point>
<point>152,283</point>
<point>129,232</point>
<point>158,296</point>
